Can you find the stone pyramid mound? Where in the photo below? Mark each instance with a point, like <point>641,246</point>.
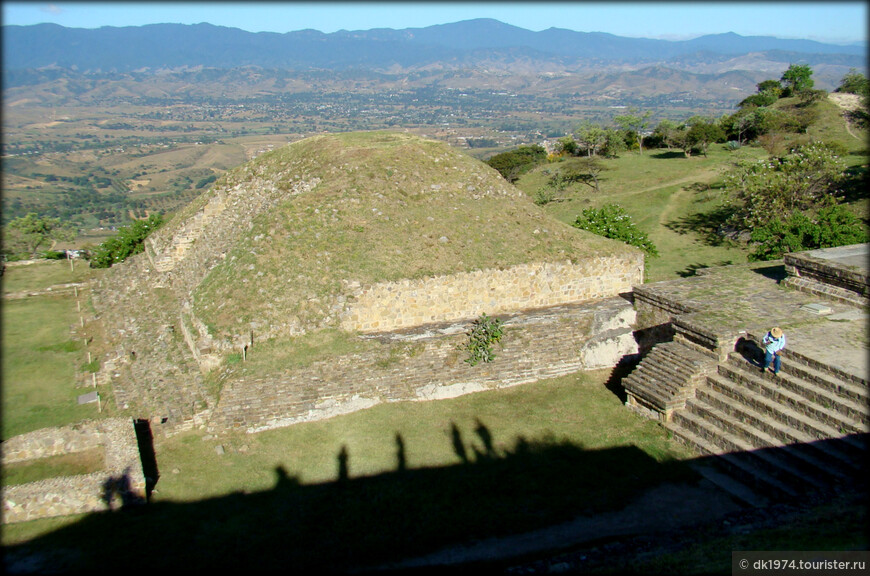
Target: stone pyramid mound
<point>361,232</point>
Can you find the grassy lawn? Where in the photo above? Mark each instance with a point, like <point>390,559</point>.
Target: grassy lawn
<point>670,197</point>
<point>42,356</point>
<point>394,480</point>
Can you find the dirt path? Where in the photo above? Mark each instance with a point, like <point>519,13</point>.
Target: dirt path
<point>849,103</point>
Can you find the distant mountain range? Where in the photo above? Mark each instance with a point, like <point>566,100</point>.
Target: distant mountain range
<point>460,45</point>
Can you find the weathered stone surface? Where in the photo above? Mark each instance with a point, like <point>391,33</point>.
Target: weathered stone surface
<point>122,482</point>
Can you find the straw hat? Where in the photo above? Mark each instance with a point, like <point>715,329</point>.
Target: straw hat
<point>776,332</point>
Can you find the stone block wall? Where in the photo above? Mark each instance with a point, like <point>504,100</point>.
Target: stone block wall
<point>399,305</point>
<point>430,364</point>
<point>121,482</point>
<point>838,273</point>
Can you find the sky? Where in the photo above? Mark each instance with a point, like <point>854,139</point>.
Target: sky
<point>835,22</point>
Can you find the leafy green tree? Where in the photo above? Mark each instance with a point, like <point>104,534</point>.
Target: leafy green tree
<point>128,241</point>
<point>611,221</point>
<point>614,143</point>
<point>635,123</point>
<point>566,146</point>
<point>854,83</point>
<point>27,234</point>
<point>797,79</point>
<point>665,134</point>
<point>761,99</point>
<point>590,137</point>
<point>804,179</point>
<point>773,86</point>
<point>513,163</point>
<point>702,132</point>
<point>832,226</point>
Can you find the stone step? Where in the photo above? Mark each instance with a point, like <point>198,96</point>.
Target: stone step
<point>810,463</point>
<point>800,382</point>
<point>796,357</point>
<point>776,396</point>
<point>733,465</point>
<point>778,462</point>
<point>767,468</point>
<point>739,393</point>
<point>829,382</point>
<point>684,355</point>
<point>836,453</point>
<point>666,371</point>
<point>670,379</point>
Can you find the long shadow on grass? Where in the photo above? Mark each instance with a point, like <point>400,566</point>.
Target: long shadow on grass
<point>362,521</point>
<point>710,226</point>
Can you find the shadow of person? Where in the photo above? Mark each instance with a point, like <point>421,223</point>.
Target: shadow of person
<point>284,481</point>
<point>458,444</point>
<point>486,438</point>
<point>401,460</point>
<point>751,351</point>
<point>118,493</point>
<point>343,467</point>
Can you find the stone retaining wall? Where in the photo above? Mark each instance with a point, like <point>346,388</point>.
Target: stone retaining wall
<point>121,482</point>
<point>839,273</point>
<point>398,305</point>
<point>429,364</point>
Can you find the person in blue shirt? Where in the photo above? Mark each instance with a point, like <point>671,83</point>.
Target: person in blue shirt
<point>773,344</point>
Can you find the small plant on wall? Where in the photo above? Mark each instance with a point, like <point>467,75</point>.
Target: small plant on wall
<point>485,331</point>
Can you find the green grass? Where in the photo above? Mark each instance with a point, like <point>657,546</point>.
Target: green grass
<point>679,201</point>
<point>43,274</point>
<point>42,356</point>
<point>407,477</point>
<point>668,196</point>
<point>72,464</point>
<point>388,207</point>
<point>417,476</point>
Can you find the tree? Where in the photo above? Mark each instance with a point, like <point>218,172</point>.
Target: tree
<point>581,170</point>
<point>804,179</point>
<point>566,146</point>
<point>854,83</point>
<point>635,123</point>
<point>26,234</point>
<point>797,78</point>
<point>591,137</point>
<point>701,133</point>
<point>513,163</point>
<point>614,143</point>
<point>772,86</point>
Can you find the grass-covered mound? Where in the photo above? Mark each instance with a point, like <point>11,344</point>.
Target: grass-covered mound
<point>386,206</point>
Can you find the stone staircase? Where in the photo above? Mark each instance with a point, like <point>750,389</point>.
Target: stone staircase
<point>804,431</point>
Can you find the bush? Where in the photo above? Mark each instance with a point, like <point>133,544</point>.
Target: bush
<point>512,164</point>
<point>484,332</point>
<point>832,226</point>
<point>128,241</point>
<point>611,221</point>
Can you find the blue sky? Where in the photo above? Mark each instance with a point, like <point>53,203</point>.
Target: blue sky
<point>838,22</point>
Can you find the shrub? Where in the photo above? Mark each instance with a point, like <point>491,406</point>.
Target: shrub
<point>832,226</point>
<point>485,332</point>
<point>128,241</point>
<point>513,163</point>
<point>611,221</point>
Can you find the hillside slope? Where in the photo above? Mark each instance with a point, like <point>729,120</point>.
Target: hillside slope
<point>283,245</point>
